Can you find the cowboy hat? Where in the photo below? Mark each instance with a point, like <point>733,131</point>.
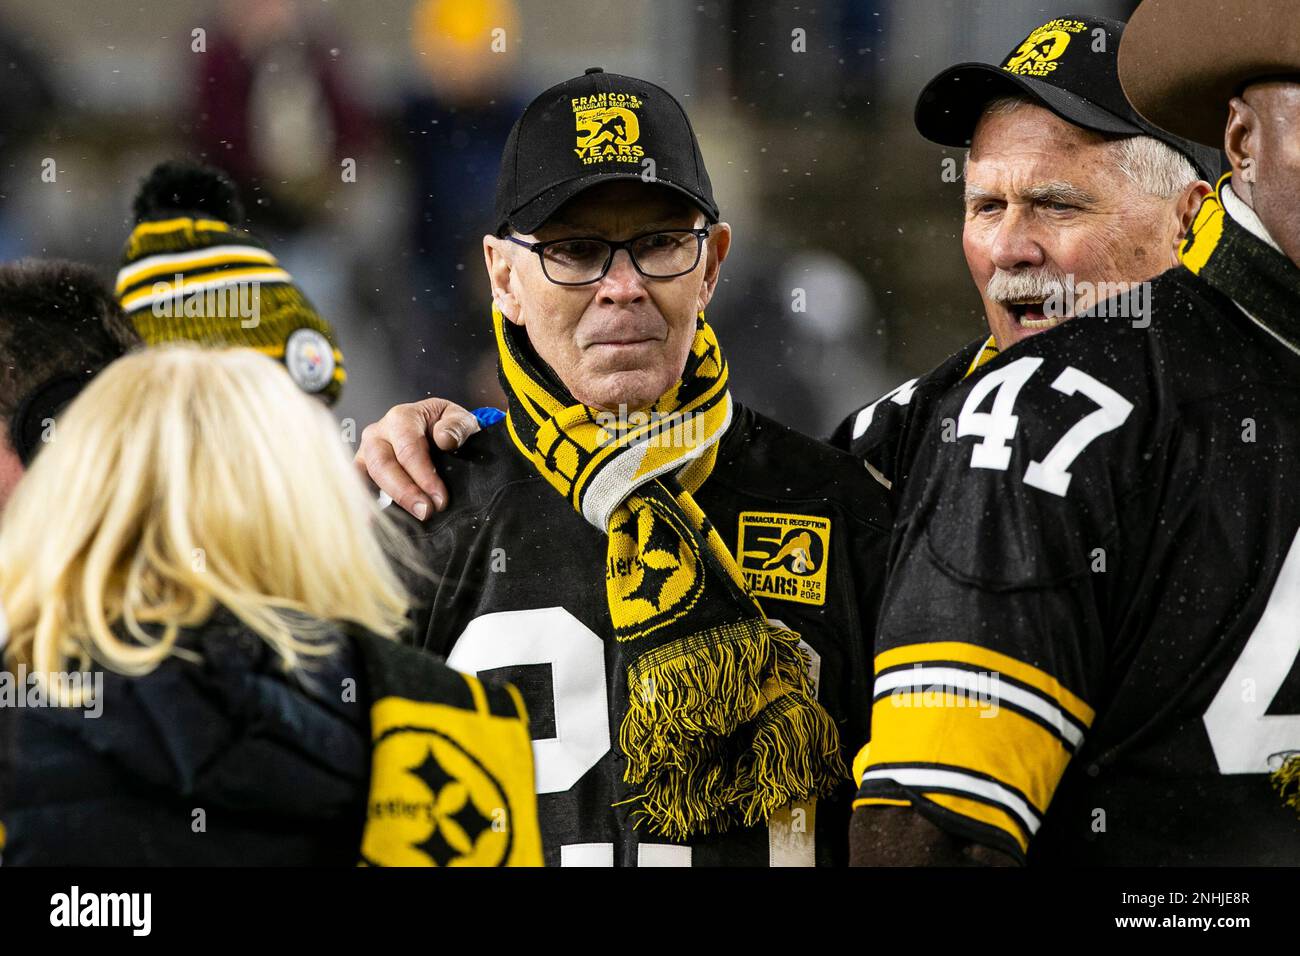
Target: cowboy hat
<point>1180,61</point>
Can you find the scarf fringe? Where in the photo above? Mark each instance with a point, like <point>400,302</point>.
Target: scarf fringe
<point>795,755</point>
<point>690,798</point>
<point>1286,781</point>
<point>706,684</point>
<point>688,703</point>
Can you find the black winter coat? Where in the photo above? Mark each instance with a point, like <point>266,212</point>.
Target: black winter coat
<point>228,762</point>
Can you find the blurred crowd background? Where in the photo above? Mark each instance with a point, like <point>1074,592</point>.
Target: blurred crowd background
<point>846,274</point>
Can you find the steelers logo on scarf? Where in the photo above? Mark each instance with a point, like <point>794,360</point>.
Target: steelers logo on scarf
<point>721,725</point>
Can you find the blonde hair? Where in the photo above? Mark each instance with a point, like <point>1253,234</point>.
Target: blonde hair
<point>182,479</point>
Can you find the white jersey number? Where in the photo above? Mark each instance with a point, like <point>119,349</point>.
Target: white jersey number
<point>1245,738</point>
<point>899,395</point>
<point>998,426</point>
<point>577,658</point>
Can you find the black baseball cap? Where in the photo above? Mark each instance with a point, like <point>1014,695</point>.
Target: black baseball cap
<point>592,129</point>
<point>1070,65</point>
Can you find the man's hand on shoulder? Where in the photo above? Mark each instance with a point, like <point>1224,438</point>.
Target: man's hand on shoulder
<point>395,452</point>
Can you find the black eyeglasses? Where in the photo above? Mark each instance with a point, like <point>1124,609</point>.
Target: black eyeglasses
<point>656,255</point>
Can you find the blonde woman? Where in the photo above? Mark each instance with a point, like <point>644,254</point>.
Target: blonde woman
<point>201,602</point>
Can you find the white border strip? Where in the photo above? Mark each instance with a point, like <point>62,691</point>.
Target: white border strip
<point>217,282</point>
<point>921,778</point>
<point>925,677</point>
<point>126,275</point>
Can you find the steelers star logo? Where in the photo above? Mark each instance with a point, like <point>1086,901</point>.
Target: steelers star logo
<point>433,803</point>
<point>309,357</point>
<point>659,578</point>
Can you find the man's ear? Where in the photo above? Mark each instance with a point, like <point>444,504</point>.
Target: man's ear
<point>1185,209</point>
<point>500,268</point>
<point>716,248</point>
<point>1240,143</point>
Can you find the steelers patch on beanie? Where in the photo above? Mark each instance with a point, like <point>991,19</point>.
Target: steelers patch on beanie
<point>309,357</point>
<point>191,273</point>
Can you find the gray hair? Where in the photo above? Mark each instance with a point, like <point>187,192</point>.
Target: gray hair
<point>1154,167</point>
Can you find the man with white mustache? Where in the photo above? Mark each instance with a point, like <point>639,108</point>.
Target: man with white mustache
<point>1070,198</point>
<point>1115,534</point>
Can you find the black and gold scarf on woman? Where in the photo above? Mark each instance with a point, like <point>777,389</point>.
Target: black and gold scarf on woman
<point>721,723</point>
<point>1266,285</point>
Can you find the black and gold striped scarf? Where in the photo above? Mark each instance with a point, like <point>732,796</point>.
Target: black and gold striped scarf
<point>721,724</point>
<point>1261,280</point>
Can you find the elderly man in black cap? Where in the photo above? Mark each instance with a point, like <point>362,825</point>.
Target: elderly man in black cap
<point>682,589</point>
<point>1070,196</point>
<point>1113,542</point>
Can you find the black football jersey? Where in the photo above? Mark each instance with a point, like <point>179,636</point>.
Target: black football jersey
<point>884,435</point>
<point>519,594</point>
<point>1088,646</point>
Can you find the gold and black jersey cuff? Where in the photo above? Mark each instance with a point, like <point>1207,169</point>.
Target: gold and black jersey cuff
<point>972,738</point>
